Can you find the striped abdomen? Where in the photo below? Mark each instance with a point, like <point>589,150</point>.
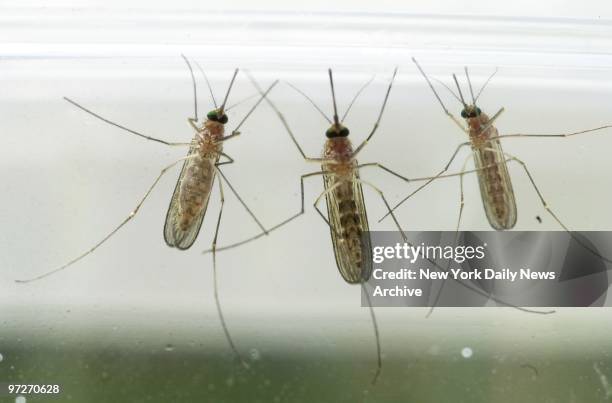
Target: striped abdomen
<point>348,220</point>
<point>495,185</point>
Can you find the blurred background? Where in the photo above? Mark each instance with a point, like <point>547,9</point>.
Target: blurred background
<point>136,320</point>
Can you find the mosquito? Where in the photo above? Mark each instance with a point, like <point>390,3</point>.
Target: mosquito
<point>489,158</point>
<point>346,210</point>
<point>490,161</point>
<point>343,193</point>
<point>195,183</point>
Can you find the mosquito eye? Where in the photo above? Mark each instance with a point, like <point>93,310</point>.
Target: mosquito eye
<point>344,132</point>
<point>478,111</point>
<point>223,119</point>
<point>464,114</point>
<point>330,133</point>
<point>212,115</point>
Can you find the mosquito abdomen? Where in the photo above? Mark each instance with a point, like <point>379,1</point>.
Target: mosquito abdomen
<point>348,222</point>
<point>495,185</point>
<point>350,225</point>
<point>194,190</point>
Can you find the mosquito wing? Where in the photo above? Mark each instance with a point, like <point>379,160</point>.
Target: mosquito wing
<point>495,185</point>
<point>183,225</point>
<point>349,228</point>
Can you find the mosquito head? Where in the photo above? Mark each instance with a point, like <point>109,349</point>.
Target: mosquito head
<point>470,111</point>
<point>217,115</point>
<point>337,130</point>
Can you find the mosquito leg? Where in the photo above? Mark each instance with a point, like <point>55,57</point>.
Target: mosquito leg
<point>230,160</point>
<point>384,168</point>
<point>311,101</point>
<point>374,323</point>
<point>388,206</point>
<point>492,120</point>
<point>380,114</point>
<point>450,115</point>
<point>450,161</point>
<point>193,123</point>
<point>438,267</point>
<point>242,101</point>
<point>216,284</point>
<point>125,221</point>
<point>279,225</point>
<point>194,119</point>
<point>376,334</point>
<point>318,200</point>
<point>284,122</point>
<point>553,215</point>
<point>554,135</point>
<point>241,200</point>
<point>110,122</point>
<point>236,131</point>
<point>234,134</point>
<point>426,178</point>
<point>372,315</point>
<point>461,205</point>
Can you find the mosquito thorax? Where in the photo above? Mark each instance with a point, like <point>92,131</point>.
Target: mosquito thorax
<point>338,148</point>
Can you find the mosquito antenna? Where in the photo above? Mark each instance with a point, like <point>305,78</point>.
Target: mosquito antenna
<point>485,84</point>
<point>331,83</point>
<point>195,91</point>
<point>470,85</point>
<point>432,87</point>
<point>207,83</point>
<point>459,89</point>
<point>241,101</point>
<point>263,95</point>
<point>222,108</point>
<point>310,100</point>
<point>356,96</point>
<point>448,88</point>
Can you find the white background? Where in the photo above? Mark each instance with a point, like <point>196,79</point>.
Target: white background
<point>67,179</point>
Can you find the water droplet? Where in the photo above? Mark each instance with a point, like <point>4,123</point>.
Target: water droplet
<point>466,352</point>
<point>20,399</point>
<point>255,354</point>
<point>169,347</point>
<point>1,357</point>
